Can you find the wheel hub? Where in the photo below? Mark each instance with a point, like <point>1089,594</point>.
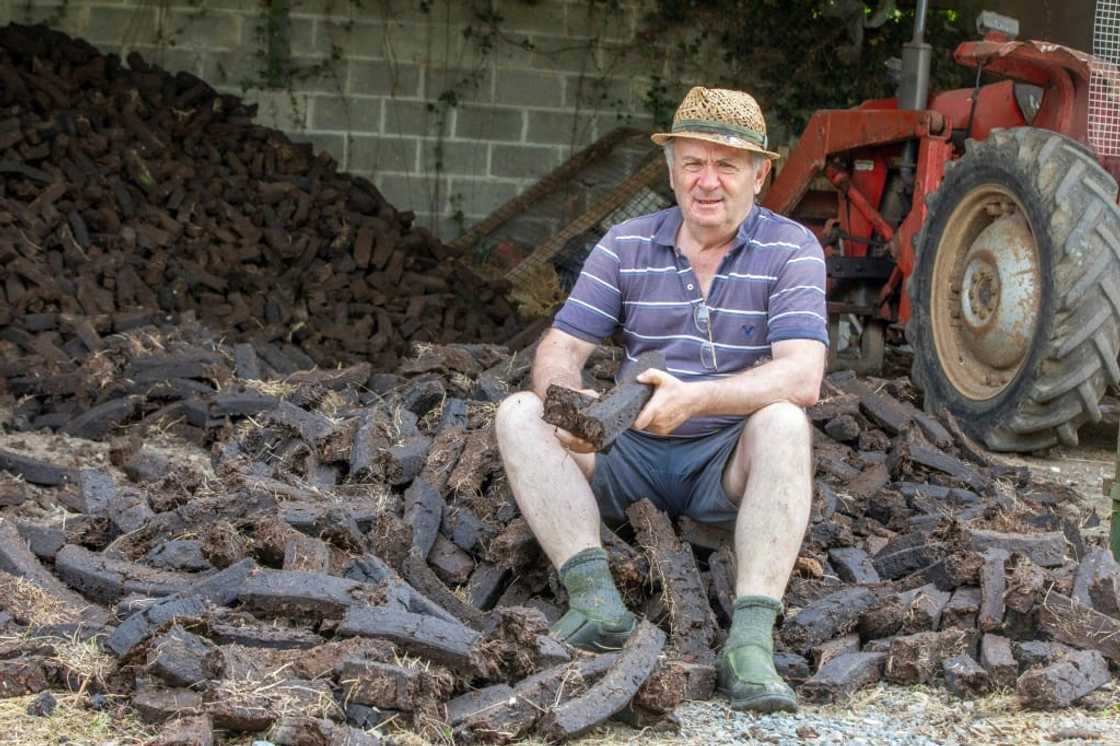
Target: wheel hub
<point>999,297</point>
<point>986,292</point>
<point>981,298</point>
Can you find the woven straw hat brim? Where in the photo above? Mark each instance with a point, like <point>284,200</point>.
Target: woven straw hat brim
<point>660,138</point>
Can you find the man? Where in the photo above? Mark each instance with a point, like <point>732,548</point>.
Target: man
<point>718,284</point>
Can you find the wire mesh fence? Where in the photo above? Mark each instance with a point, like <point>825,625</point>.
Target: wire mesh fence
<point>1104,80</point>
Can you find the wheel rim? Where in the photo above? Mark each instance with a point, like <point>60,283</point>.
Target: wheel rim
<point>986,292</point>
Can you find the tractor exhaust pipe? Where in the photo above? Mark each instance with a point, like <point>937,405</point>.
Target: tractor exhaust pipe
<point>913,91</point>
<point>916,56</point>
<point>920,20</point>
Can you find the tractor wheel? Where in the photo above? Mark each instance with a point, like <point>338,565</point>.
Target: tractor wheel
<point>1016,290</point>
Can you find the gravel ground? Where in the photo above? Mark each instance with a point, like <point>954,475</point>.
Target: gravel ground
<point>892,716</point>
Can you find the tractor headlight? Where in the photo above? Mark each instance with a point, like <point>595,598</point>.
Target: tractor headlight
<point>988,21</point>
<point>1029,98</point>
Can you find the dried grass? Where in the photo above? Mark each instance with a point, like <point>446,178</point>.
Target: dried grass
<point>406,738</point>
<point>332,403</point>
<point>405,660</point>
<point>420,349</point>
<point>84,659</point>
<point>275,692</point>
<point>1077,623</point>
<point>461,593</point>
<point>430,421</point>
<point>70,723</point>
<point>279,389</point>
<point>1005,522</point>
<point>28,603</point>
<point>461,381</point>
<point>143,342</point>
<point>484,507</point>
<point>430,728</point>
<point>99,369</point>
<point>538,292</point>
<point>382,494</point>
<point>397,421</point>
<point>482,413</point>
<point>162,423</point>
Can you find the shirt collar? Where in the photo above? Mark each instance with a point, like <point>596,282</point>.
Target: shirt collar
<point>748,226</point>
<point>666,234</point>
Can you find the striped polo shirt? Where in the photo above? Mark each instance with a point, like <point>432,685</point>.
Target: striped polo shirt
<point>770,286</point>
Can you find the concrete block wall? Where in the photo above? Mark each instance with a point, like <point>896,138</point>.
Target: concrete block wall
<point>448,113</point>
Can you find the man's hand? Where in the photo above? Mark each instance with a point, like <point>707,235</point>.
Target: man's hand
<point>672,403</point>
<point>574,443</point>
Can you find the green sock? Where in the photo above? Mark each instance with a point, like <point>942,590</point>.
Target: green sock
<point>591,589</point>
<point>746,671</point>
<point>752,623</point>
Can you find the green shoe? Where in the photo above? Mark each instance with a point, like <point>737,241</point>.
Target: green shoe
<point>595,635</point>
<point>748,678</point>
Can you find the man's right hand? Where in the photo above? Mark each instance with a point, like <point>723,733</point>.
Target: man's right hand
<point>574,443</point>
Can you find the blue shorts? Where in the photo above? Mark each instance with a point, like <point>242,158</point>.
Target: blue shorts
<point>682,476</point>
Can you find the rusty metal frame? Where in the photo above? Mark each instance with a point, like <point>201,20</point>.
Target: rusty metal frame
<point>1061,71</point>
<point>558,177</point>
<point>833,131</point>
<point>650,173</point>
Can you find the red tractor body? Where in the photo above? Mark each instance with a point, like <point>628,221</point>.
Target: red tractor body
<point>997,335</point>
<point>872,137</point>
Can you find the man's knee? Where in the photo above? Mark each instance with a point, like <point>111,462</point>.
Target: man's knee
<point>780,422</point>
<point>776,426</point>
<point>517,411</point>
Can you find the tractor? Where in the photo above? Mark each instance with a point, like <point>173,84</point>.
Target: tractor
<point>983,221</point>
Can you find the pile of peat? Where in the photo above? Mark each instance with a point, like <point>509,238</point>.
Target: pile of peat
<point>346,554</point>
<point>127,192</point>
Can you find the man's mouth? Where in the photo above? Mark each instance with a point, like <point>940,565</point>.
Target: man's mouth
<point>708,202</point>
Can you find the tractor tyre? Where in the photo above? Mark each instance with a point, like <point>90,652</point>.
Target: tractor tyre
<point>1015,294</point>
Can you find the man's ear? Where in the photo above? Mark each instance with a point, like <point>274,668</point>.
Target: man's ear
<point>761,174</point>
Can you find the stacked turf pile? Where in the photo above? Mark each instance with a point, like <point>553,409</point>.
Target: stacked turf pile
<point>128,192</point>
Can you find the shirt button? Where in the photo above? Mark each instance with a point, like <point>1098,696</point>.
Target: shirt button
<point>690,286</point>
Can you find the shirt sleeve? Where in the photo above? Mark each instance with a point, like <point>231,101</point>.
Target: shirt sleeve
<point>797,308</point>
<point>593,309</point>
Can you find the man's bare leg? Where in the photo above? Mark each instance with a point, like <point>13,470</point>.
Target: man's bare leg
<point>551,485</point>
<point>772,470</point>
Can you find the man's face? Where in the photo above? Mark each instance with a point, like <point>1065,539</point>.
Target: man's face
<point>715,185</point>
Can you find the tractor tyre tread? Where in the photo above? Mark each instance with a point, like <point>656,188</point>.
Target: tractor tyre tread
<point>1078,359</point>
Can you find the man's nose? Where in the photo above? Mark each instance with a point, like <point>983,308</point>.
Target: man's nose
<point>709,179</point>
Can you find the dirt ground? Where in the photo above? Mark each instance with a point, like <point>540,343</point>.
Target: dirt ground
<point>1083,468</point>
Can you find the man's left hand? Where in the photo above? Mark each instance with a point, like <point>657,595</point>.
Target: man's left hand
<point>672,403</point>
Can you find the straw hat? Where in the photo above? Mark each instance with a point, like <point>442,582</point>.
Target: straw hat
<point>718,115</point>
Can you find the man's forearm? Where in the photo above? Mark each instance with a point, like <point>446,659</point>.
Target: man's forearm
<point>560,358</point>
<point>561,373</point>
<point>783,379</point>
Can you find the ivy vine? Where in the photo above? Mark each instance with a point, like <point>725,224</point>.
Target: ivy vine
<point>797,56</point>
